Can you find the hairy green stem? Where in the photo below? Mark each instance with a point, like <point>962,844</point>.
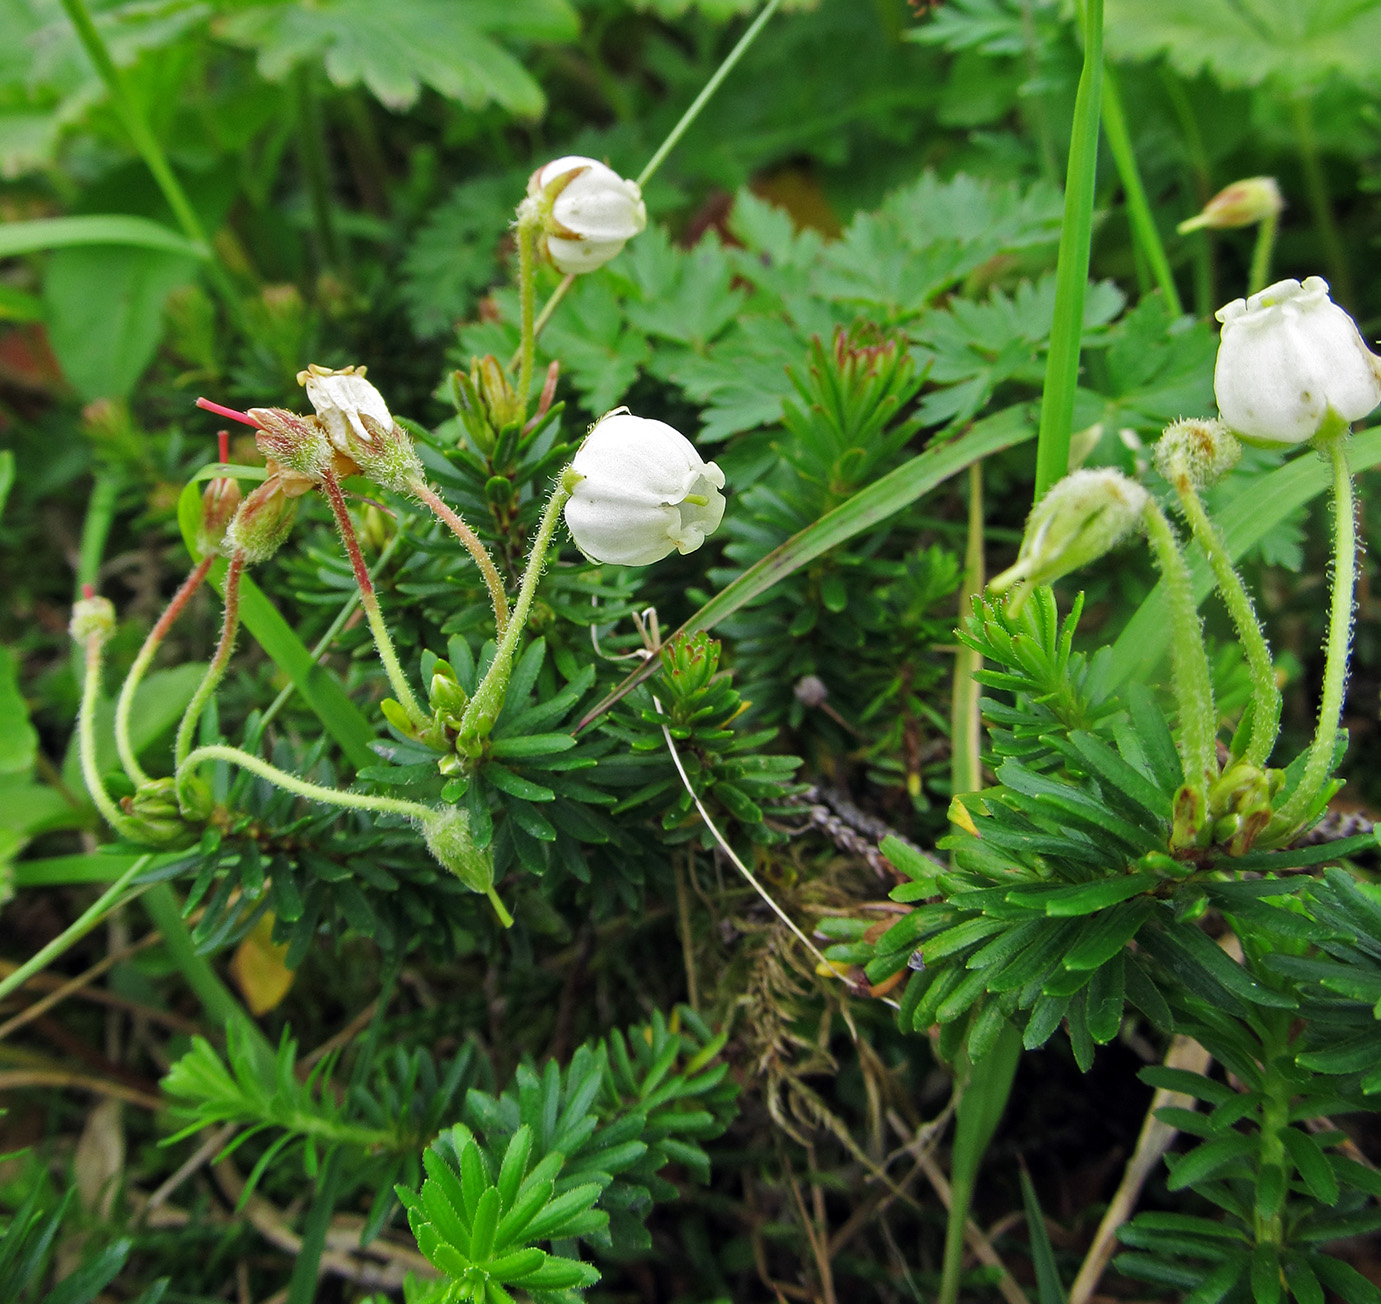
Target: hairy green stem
<point>1071,273</point>
<point>1276,1088</point>
<point>383,640</point>
<point>1265,690</point>
<point>301,787</point>
<point>453,521</point>
<point>86,741</point>
<point>1193,682</point>
<point>215,672</point>
<point>1259,276</point>
<point>1285,824</point>
<point>125,705</point>
<point>111,899</point>
<point>1139,212</point>
<point>484,707</point>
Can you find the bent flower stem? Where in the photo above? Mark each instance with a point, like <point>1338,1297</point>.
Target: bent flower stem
<point>383,641</point>
<point>215,672</point>
<point>1265,690</point>
<point>1288,820</point>
<point>1193,682</point>
<point>125,705</point>
<point>300,787</point>
<point>453,521</point>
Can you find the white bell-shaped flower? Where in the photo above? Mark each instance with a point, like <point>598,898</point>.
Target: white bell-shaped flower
<point>588,211</point>
<point>1288,355</point>
<point>643,491</point>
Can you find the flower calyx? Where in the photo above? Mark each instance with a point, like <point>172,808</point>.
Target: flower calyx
<point>265,519</point>
<point>584,210</point>
<point>1080,518</point>
<point>639,491</point>
<point>93,619</point>
<point>1198,451</point>
<point>359,426</point>
<point>1292,365</point>
<point>157,819</point>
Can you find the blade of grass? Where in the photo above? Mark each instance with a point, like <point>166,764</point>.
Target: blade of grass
<point>111,899</point>
<point>965,763</point>
<point>1048,1288</point>
<point>1143,641</point>
<point>95,228</point>
<point>1139,213</point>
<point>984,1097</point>
<point>865,510</point>
<point>216,998</point>
<point>1071,271</point>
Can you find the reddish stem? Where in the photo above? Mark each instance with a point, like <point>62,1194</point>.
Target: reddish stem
<point>242,417</point>
<point>223,445</point>
<point>331,487</point>
<point>179,601</point>
<point>476,549</point>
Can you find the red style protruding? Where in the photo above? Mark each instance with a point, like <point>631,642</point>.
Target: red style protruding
<point>88,591</point>
<point>243,418</point>
<point>223,445</point>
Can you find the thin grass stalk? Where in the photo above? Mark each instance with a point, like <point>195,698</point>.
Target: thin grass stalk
<point>965,765</point>
<point>1143,222</point>
<point>1071,272</point>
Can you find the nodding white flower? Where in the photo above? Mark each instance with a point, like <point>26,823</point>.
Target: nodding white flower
<point>341,399</point>
<point>588,212</point>
<point>642,491</point>
<point>1288,355</point>
<point>1080,518</point>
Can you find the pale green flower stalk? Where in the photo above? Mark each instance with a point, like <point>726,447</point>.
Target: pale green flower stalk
<point>435,822</point>
<point>93,622</point>
<point>215,672</point>
<point>1189,661</point>
<point>483,708</point>
<point>125,705</point>
<point>1288,820</point>
<point>1192,454</point>
<point>383,641</point>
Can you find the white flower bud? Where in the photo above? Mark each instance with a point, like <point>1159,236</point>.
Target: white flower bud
<point>1287,356</point>
<point>1243,203</point>
<point>1200,449</point>
<point>643,491</point>
<point>1078,520</point>
<point>588,212</point>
